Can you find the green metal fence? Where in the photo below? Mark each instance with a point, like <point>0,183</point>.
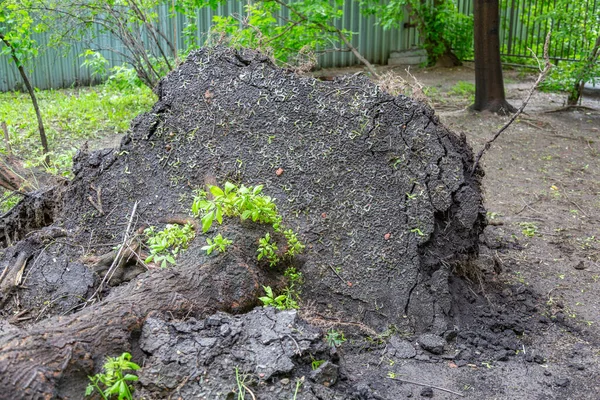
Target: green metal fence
<point>62,68</point>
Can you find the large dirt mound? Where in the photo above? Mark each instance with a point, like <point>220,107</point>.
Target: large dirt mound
<point>378,190</point>
<point>375,186</point>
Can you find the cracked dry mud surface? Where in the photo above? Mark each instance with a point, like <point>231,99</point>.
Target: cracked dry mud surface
<point>389,168</point>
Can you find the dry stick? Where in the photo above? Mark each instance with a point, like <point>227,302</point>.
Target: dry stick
<point>115,262</point>
<point>6,138</point>
<point>539,80</point>
<point>427,385</point>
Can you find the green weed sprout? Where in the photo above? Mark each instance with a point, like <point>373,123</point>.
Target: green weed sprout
<point>217,243</point>
<point>246,203</point>
<point>335,338</point>
<point>114,379</point>
<point>164,245</point>
<point>284,301</point>
<point>233,201</point>
<point>267,250</point>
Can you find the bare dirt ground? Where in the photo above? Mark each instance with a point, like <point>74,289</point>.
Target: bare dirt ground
<point>542,192</point>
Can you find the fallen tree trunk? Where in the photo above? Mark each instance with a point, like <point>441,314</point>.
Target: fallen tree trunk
<point>35,363</point>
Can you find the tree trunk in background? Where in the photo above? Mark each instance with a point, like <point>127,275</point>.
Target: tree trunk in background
<point>489,85</point>
<point>577,89</point>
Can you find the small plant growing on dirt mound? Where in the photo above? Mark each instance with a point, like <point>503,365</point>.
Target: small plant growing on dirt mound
<point>528,229</point>
<point>290,295</point>
<point>335,338</point>
<point>114,381</point>
<point>245,203</point>
<point>234,201</point>
<point>164,245</point>
<point>217,243</point>
<point>284,301</point>
<point>267,250</point>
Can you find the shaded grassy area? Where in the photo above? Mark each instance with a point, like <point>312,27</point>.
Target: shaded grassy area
<point>71,116</point>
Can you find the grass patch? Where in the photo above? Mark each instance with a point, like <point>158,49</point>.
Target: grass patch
<point>463,89</point>
<point>71,116</point>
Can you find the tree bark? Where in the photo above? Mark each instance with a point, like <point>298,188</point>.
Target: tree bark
<point>489,84</point>
<point>577,89</point>
<point>31,92</point>
<point>34,362</point>
<point>13,176</point>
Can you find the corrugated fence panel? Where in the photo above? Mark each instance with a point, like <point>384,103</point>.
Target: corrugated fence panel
<point>62,68</point>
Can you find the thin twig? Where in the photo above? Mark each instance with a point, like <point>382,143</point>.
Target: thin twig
<point>249,391</point>
<point>427,385</point>
<point>541,77</point>
<point>338,275</point>
<point>115,262</point>
<point>298,351</point>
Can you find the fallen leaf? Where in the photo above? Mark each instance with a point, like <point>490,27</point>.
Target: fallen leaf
<point>452,365</point>
<point>387,236</point>
<point>323,215</point>
<point>279,172</point>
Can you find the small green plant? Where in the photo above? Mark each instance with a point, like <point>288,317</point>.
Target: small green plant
<point>294,245</point>
<point>245,203</point>
<point>240,380</point>
<point>528,229</point>
<point>417,231</point>
<point>267,250</point>
<point>114,379</point>
<point>233,201</point>
<point>315,364</point>
<point>492,215</point>
<point>293,276</point>
<point>164,245</point>
<point>334,338</point>
<point>217,243</point>
<point>285,301</point>
<point>299,383</point>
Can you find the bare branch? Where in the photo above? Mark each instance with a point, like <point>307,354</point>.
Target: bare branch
<point>540,78</point>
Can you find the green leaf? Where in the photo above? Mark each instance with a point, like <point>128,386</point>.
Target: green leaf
<point>229,187</point>
<point>216,191</point>
<point>268,291</point>
<point>89,389</point>
<point>219,215</point>
<point>266,300</point>
<point>207,221</point>
<point>131,377</point>
<point>114,389</point>
<point>246,214</point>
